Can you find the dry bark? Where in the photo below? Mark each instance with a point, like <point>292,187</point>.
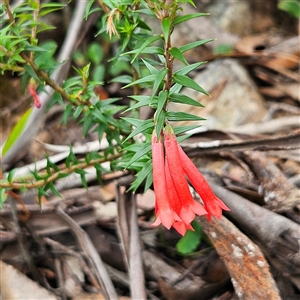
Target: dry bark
<point>248,268</point>
<point>277,236</point>
<point>279,194</point>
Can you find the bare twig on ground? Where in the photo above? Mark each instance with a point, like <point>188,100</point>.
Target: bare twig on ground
<point>91,254</point>
<point>22,241</point>
<point>286,142</point>
<point>268,229</point>
<point>272,126</point>
<point>57,247</point>
<point>246,264</point>
<point>280,195</point>
<point>129,235</point>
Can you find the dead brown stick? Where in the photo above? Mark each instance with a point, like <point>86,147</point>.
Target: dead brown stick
<point>280,195</point>
<point>290,141</point>
<point>91,254</point>
<point>129,235</point>
<point>246,264</point>
<point>276,235</point>
<point>22,241</point>
<point>56,246</point>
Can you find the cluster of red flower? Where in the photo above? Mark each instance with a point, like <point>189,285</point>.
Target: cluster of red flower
<point>174,204</point>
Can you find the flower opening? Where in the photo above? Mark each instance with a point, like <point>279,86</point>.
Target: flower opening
<point>212,203</point>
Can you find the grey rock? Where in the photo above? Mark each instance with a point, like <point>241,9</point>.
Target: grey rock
<point>234,100</point>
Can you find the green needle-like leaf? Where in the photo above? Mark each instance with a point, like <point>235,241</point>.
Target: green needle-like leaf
<point>182,116</point>
<point>166,26</point>
<point>148,42</point>
<point>189,68</point>
<point>188,82</point>
<point>151,69</point>
<point>182,129</point>
<point>159,78</point>
<point>146,79</point>
<point>144,149</point>
<point>30,71</point>
<point>146,125</point>
<point>175,52</point>
<point>54,190</point>
<point>193,45</point>
<point>180,98</point>
<point>11,175</point>
<point>184,18</point>
<point>141,176</point>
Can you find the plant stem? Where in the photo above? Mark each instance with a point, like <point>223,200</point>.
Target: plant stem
<point>9,12</point>
<point>55,175</point>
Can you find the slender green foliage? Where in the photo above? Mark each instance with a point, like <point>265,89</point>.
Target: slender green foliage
<point>146,59</point>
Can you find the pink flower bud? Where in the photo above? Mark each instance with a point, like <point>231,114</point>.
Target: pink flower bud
<point>34,95</point>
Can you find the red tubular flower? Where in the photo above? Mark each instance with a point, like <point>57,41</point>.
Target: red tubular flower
<point>34,95</point>
<point>212,203</point>
<point>165,213</point>
<point>189,207</point>
<point>175,202</point>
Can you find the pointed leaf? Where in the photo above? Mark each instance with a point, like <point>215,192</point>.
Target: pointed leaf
<point>88,122</point>
<point>77,111</point>
<point>41,192</point>
<point>180,19</point>
<point>145,101</point>
<point>159,78</point>
<point>190,68</point>
<point>142,151</point>
<point>82,177</point>
<point>98,115</point>
<point>166,26</point>
<point>175,52</point>
<point>133,121</point>
<point>67,113</point>
<point>149,78</point>
<point>181,138</point>
<point>180,98</point>
<point>193,45</point>
<point>148,183</point>
<point>55,191</point>
<point>182,129</point>
<point>182,116</point>
<point>146,125</point>
<point>99,170</point>
<point>148,50</point>
<point>160,114</point>
<point>161,102</point>
<point>151,69</point>
<point>122,79</point>
<point>140,176</point>
<point>188,82</point>
<point>11,174</point>
<point>148,42</point>
<point>160,122</point>
<point>176,88</point>
<point>71,158</point>
<point>80,171</point>
<point>30,71</point>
